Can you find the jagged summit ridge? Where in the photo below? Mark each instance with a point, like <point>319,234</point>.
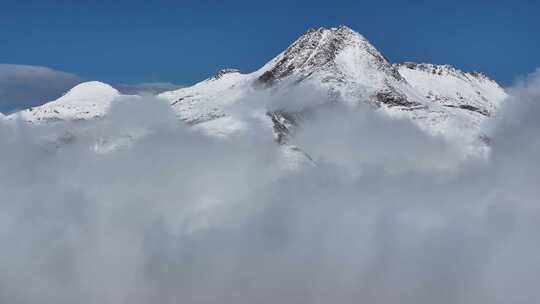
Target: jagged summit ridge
<point>451,87</point>
<point>222,73</point>
<point>443,69</point>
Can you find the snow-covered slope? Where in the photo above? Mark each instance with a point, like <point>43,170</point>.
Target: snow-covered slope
<point>87,100</point>
<point>205,100</point>
<point>450,87</point>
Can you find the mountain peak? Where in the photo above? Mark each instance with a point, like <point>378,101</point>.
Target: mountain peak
<point>89,90</point>
<point>321,49</point>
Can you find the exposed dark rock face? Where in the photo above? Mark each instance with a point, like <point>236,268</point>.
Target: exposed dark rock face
<point>394,99</point>
<point>203,118</point>
<point>181,99</point>
<point>283,123</point>
<point>222,73</point>
<point>470,108</point>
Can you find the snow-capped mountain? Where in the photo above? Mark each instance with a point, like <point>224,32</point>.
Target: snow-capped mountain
<point>339,62</point>
<point>439,98</point>
<point>85,101</point>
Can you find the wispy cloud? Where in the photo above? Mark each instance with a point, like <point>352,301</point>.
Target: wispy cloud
<point>23,86</point>
<point>147,87</point>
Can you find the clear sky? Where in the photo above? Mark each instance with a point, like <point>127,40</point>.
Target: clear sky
<point>186,41</point>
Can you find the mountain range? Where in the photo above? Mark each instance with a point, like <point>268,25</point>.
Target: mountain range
<point>337,65</point>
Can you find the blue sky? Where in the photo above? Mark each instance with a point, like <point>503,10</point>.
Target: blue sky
<point>186,41</point>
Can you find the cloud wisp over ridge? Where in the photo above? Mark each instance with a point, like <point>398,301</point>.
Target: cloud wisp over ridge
<point>24,86</point>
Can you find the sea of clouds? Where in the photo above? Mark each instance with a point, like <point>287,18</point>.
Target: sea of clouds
<point>384,214</point>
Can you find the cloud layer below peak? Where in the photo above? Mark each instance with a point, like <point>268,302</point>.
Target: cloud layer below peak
<point>388,214</point>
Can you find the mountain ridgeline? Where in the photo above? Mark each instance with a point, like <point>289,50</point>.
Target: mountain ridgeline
<point>341,63</point>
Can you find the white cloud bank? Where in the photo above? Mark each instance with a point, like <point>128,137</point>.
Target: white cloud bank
<point>182,218</point>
